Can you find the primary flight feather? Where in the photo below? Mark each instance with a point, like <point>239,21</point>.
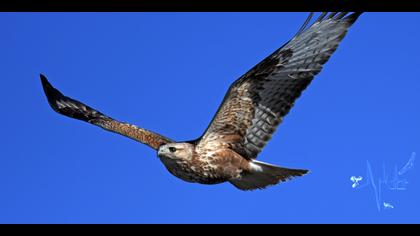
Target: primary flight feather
<point>253,107</point>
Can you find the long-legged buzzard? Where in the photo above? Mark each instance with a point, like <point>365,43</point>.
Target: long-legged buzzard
<point>253,107</point>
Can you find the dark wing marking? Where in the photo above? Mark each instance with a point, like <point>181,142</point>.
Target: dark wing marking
<point>77,110</point>
<point>256,103</point>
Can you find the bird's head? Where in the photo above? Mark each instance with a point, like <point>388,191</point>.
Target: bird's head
<point>176,151</point>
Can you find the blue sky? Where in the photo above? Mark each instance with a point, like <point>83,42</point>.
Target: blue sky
<point>168,72</point>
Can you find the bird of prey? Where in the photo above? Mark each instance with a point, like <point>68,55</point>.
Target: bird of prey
<point>253,107</point>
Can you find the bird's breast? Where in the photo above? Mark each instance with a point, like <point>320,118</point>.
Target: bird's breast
<point>195,171</point>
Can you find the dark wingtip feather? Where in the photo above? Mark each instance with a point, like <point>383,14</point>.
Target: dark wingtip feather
<point>51,93</point>
<point>45,84</point>
<point>303,172</point>
<point>68,106</point>
<point>340,15</point>
<point>332,14</point>
<point>43,78</point>
<point>321,17</point>
<point>337,16</point>
<point>303,27</point>
<point>353,17</point>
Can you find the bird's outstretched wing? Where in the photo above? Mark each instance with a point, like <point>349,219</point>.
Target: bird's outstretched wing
<point>256,103</point>
<point>77,110</point>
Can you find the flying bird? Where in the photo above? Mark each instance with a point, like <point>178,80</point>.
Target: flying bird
<point>253,107</point>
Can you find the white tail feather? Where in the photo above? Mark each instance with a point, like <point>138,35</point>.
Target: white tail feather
<point>263,174</point>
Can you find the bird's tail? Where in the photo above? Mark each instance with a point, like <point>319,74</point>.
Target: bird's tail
<point>262,175</point>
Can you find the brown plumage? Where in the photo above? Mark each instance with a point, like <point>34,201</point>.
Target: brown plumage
<point>253,107</point>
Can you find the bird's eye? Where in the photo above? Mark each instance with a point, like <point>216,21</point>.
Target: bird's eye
<point>172,149</point>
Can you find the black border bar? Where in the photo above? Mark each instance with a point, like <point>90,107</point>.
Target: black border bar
<point>206,5</point>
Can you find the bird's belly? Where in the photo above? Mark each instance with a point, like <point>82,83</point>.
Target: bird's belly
<point>191,173</point>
